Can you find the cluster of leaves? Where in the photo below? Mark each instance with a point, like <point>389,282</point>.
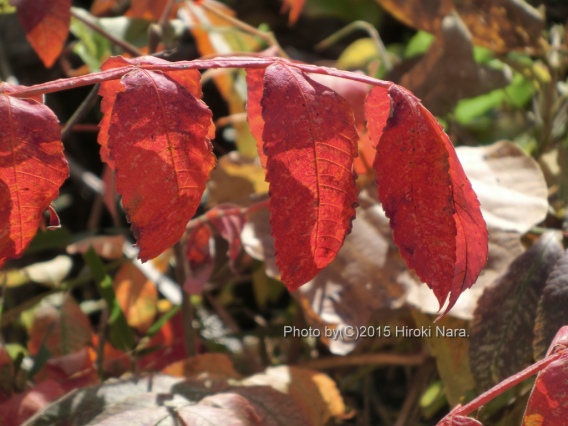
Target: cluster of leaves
<point>314,129</point>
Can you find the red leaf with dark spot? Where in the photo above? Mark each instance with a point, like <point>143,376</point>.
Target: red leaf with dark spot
<point>46,24</point>
<point>547,403</point>
<point>32,168</point>
<point>433,211</point>
<point>310,141</point>
<point>158,141</point>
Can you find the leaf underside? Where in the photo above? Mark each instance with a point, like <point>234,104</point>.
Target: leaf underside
<point>433,211</point>
<point>310,140</point>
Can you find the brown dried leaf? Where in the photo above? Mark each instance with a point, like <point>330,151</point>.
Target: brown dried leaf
<point>448,71</point>
<point>218,366</point>
<point>500,25</point>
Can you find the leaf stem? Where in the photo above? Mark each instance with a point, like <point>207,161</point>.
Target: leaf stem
<point>504,385</point>
<point>89,22</point>
<point>228,62</point>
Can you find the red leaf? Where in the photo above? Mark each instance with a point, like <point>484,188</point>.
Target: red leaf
<point>433,211</point>
<point>200,253</point>
<point>310,140</point>
<point>32,168</point>
<point>46,24</point>
<point>157,138</point>
<point>255,87</point>
<point>547,403</point>
<point>190,79</point>
<point>295,7</point>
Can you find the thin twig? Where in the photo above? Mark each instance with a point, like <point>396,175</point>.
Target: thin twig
<point>364,360</point>
<point>81,111</point>
<point>182,272</point>
<point>354,26</point>
<point>89,22</point>
<point>218,213</point>
<point>267,37</point>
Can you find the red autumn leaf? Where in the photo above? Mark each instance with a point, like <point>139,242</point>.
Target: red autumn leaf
<point>200,253</point>
<point>310,141</point>
<point>189,79</point>
<point>158,142</point>
<point>46,24</point>
<point>433,211</point>
<point>32,168</point>
<point>255,87</point>
<point>547,403</point>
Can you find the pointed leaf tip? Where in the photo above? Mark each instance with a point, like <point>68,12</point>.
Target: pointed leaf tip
<point>433,211</point>
<point>310,141</point>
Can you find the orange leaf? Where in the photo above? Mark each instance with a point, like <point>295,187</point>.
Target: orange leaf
<point>310,140</point>
<point>255,87</point>
<point>46,24</point>
<point>158,141</point>
<point>433,211</point>
<point>148,9</point>
<point>137,297</point>
<point>295,7</point>
<point>32,168</point>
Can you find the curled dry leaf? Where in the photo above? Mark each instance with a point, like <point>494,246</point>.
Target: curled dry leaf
<point>448,72</point>
<point>500,25</point>
<point>32,168</point>
<point>310,140</point>
<point>502,326</point>
<point>258,241</point>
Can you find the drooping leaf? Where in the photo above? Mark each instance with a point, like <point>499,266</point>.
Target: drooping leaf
<point>547,403</point>
<point>551,313</point>
<point>310,141</point>
<point>229,226</point>
<point>32,168</point>
<point>163,158</point>
<point>499,25</point>
<point>46,24</point>
<point>502,326</point>
<point>200,253</point>
<point>433,211</point>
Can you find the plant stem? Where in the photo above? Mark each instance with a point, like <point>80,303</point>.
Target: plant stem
<point>498,389</point>
<point>182,270</point>
<point>127,47</point>
<point>229,62</point>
